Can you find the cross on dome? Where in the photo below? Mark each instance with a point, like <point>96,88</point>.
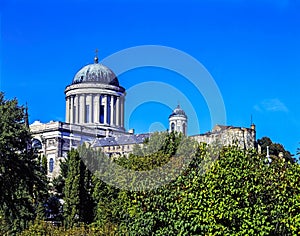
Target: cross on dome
<point>96,59</point>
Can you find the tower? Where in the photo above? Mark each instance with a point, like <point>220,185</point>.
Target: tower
<point>178,121</point>
<point>95,99</point>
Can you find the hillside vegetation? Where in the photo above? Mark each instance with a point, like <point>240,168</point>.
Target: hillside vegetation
<point>198,190</point>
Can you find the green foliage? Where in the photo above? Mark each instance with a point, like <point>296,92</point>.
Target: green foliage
<point>72,189</point>
<point>107,208</point>
<point>78,206</point>
<point>298,154</point>
<point>240,194</point>
<point>47,229</point>
<point>208,190</point>
<point>221,192</point>
<point>41,193</point>
<point>163,142</point>
<point>104,199</point>
<point>58,183</point>
<point>274,148</point>
<point>155,152</point>
<point>44,164</point>
<point>22,184</point>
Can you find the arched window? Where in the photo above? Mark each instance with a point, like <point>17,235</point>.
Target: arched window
<point>172,127</point>
<point>36,144</point>
<point>51,165</point>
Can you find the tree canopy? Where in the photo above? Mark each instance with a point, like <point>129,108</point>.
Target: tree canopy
<point>274,149</point>
<point>22,178</point>
<point>237,193</point>
<point>225,191</point>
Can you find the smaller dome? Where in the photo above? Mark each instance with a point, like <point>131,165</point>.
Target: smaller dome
<point>178,112</point>
<point>96,73</point>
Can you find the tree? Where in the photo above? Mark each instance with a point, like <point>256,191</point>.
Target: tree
<point>21,183</point>
<point>240,194</point>
<point>58,183</point>
<point>72,189</point>
<point>225,191</point>
<point>298,153</point>
<point>274,148</point>
<point>78,203</point>
<point>42,193</point>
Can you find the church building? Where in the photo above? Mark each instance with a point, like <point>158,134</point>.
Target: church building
<point>95,105</point>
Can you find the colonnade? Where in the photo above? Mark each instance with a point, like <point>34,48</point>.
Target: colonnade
<point>95,108</point>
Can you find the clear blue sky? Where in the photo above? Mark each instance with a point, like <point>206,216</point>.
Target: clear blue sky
<point>251,49</point>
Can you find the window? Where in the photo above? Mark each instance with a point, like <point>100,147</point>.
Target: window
<point>36,144</point>
<point>183,128</point>
<point>102,114</point>
<point>51,165</point>
<point>172,127</point>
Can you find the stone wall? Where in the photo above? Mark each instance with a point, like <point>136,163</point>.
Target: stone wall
<point>245,138</point>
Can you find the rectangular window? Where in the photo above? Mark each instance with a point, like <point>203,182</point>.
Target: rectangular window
<point>101,114</point>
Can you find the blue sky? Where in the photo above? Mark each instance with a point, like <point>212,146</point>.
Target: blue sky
<point>250,48</point>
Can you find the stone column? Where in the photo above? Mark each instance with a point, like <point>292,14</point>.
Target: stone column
<point>112,110</point>
<point>68,109</point>
<point>82,109</point>
<point>105,109</point>
<point>72,109</point>
<point>122,111</point>
<point>90,98</point>
<point>77,109</point>
<point>96,108</point>
<point>118,111</point>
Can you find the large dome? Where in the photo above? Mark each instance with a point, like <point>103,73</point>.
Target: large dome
<point>96,73</point>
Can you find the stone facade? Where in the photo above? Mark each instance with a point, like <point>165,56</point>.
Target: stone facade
<point>55,139</point>
<point>245,138</point>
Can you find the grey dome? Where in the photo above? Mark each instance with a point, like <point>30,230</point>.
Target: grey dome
<point>96,73</point>
<point>178,112</point>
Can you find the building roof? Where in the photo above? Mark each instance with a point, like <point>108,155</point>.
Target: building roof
<point>178,112</point>
<point>126,139</point>
<point>96,73</point>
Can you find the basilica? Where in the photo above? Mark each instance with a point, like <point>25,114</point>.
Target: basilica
<point>95,104</point>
